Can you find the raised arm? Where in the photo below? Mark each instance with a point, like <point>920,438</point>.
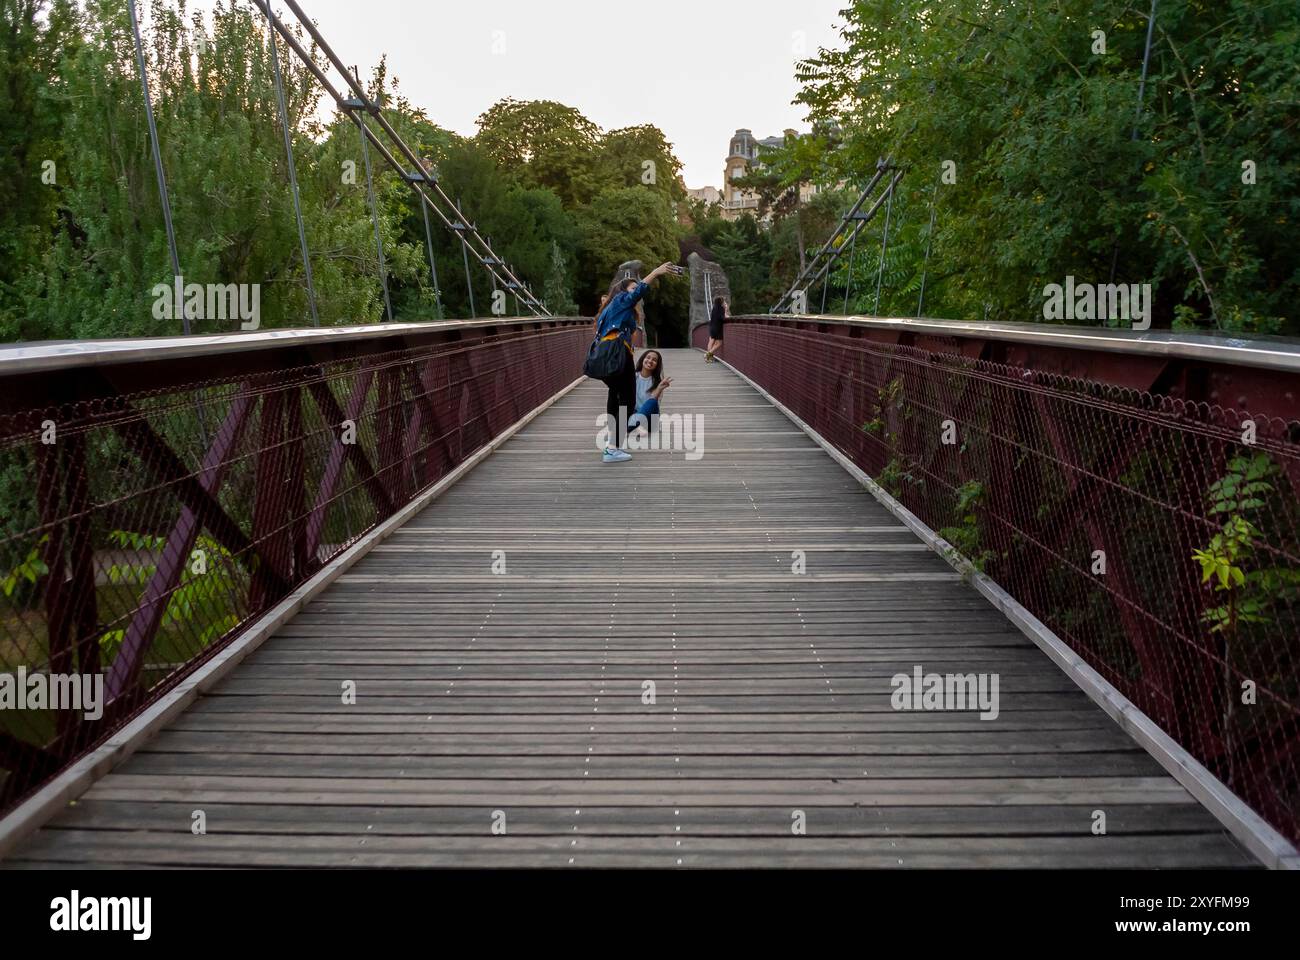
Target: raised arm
<point>642,286</point>
<point>650,278</point>
<point>658,272</point>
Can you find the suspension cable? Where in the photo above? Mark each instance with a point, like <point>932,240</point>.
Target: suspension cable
<point>826,257</point>
<point>884,245</point>
<point>929,235</point>
<point>157,158</point>
<point>374,206</point>
<point>293,169</point>
<point>472,242</point>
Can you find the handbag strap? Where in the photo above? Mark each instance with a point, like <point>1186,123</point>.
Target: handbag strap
<point>617,335</point>
<point>613,333</point>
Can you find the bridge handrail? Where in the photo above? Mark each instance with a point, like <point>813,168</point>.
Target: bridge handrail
<point>1137,493</point>
<point>160,497</point>
<point>47,355</point>
<point>1251,350</point>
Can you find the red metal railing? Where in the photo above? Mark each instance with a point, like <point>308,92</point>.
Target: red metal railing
<point>157,498</point>
<point>1100,488</point>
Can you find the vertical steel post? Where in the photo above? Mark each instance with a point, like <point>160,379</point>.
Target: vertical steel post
<point>374,207</point>
<point>925,264</point>
<point>1146,60</point>
<point>433,266</point>
<point>1137,115</point>
<point>157,158</point>
<point>492,276</point>
<point>884,245</point>
<point>293,169</point>
<point>464,252</point>
<point>853,252</point>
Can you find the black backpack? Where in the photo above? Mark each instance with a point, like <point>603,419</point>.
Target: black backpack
<point>604,357</point>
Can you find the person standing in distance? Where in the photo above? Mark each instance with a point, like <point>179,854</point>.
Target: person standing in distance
<point>717,316</point>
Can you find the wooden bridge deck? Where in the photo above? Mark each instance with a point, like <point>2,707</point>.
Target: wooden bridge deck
<point>484,698</point>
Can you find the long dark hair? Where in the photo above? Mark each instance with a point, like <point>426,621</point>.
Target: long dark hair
<point>659,367</point>
<point>619,285</point>
<point>615,288</point>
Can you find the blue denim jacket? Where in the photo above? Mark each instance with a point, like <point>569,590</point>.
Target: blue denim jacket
<point>620,313</point>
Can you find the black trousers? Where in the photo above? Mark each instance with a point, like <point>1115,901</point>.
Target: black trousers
<point>622,393</point>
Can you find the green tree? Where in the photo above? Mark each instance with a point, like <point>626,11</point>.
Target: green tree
<point>542,143</point>
<point>745,252</point>
<point>631,223</point>
<point>222,149</point>
<point>1053,172</point>
<point>557,293</point>
<point>36,36</point>
<point>523,222</point>
<point>641,156</point>
<point>624,223</point>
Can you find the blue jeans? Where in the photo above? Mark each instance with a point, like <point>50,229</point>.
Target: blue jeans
<point>644,412</point>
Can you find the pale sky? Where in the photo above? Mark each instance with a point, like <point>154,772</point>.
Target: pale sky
<point>697,69</point>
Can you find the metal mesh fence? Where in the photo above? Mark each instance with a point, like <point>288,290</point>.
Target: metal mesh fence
<point>141,532</point>
<point>1159,538</point>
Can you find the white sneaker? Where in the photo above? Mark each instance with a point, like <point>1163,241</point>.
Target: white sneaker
<point>615,456</point>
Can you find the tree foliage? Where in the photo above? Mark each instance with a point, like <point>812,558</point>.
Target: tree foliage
<point>82,237</point>
<point>1055,171</point>
<point>543,143</point>
<point>223,153</point>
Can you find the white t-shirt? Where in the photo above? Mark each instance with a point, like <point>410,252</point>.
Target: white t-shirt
<point>643,387</point>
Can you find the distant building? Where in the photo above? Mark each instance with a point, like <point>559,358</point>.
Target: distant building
<point>742,153</point>
<point>742,156</point>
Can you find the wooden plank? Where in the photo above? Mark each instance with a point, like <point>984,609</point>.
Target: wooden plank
<point>690,679</point>
<point>202,718</point>
<point>630,791</point>
<point>605,766</point>
<point>656,742</point>
<point>270,818</point>
<point>376,702</point>
<point>694,851</point>
<point>522,692</point>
